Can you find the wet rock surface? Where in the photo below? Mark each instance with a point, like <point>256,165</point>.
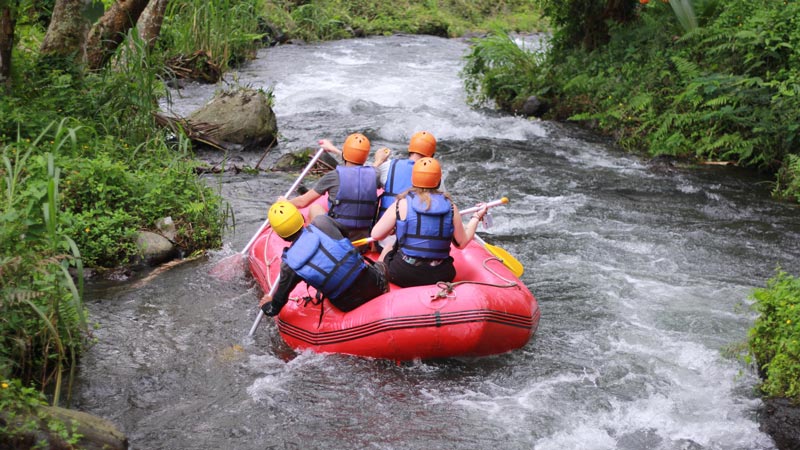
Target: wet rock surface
<point>781,420</point>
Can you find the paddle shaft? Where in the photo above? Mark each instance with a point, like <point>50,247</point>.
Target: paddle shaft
<point>490,204</point>
<point>288,193</point>
<point>261,311</point>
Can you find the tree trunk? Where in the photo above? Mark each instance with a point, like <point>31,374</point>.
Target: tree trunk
<point>7,23</point>
<point>66,33</point>
<point>150,21</point>
<point>110,30</point>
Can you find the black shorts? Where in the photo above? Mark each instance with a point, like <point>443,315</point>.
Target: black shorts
<point>422,273</point>
<point>370,283</point>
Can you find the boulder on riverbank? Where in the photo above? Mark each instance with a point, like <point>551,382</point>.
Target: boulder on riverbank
<point>242,117</point>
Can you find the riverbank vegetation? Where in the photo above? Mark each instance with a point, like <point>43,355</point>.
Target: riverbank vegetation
<point>85,167</point>
<point>698,80</point>
<point>712,83</point>
<point>774,339</point>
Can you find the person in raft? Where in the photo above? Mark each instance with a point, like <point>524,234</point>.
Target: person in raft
<point>352,189</point>
<point>396,173</point>
<point>324,258</point>
<point>426,222</point>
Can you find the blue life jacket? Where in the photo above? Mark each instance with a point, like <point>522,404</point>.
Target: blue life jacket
<point>426,233</point>
<point>331,266</point>
<point>398,180</point>
<point>356,201</point>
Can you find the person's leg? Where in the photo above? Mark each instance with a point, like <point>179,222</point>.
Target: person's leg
<point>314,210</point>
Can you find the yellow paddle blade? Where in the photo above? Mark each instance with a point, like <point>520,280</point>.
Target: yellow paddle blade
<point>509,261</point>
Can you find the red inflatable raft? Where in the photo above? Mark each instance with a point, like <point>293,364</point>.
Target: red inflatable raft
<point>486,310</point>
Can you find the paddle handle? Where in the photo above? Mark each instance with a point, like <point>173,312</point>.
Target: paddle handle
<point>490,204</point>
<point>362,241</point>
<point>288,193</point>
<point>261,311</point>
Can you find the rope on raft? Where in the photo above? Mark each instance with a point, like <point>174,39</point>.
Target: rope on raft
<point>447,288</point>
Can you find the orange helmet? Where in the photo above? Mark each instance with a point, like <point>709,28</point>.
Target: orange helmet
<point>423,143</point>
<point>427,173</point>
<point>355,149</point>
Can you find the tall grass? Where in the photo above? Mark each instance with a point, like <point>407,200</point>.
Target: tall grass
<point>42,316</point>
<point>227,30</point>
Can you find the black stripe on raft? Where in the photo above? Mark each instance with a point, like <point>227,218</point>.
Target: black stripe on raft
<point>399,323</point>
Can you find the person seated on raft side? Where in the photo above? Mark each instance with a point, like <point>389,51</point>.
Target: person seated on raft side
<point>323,257</point>
<point>396,173</point>
<point>426,222</point>
<point>352,189</point>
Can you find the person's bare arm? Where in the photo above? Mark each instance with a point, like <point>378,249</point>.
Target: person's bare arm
<point>462,233</point>
<point>329,147</point>
<point>304,200</point>
<point>386,224</point>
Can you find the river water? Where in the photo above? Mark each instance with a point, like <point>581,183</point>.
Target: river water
<point>643,274</point>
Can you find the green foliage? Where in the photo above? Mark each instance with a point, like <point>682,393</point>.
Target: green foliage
<point>227,30</point>
<point>42,318</point>
<point>727,90</point>
<point>498,69</point>
<point>693,13</point>
<point>585,23</point>
<point>83,168</point>
<point>774,339</point>
<point>788,179</point>
<point>22,415</point>
<point>125,98</point>
<point>335,19</point>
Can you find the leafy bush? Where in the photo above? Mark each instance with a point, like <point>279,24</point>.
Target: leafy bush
<point>774,339</point>
<point>500,70</point>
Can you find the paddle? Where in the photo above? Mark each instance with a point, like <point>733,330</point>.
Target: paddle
<point>509,261</point>
<point>223,268</point>
<point>501,201</point>
<point>260,311</point>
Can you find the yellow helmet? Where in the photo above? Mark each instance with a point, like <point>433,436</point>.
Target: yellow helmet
<point>422,142</point>
<point>356,149</point>
<point>426,173</point>
<point>285,219</point>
